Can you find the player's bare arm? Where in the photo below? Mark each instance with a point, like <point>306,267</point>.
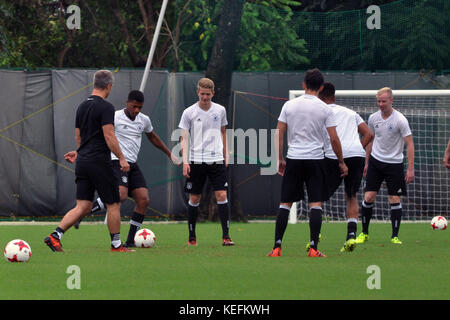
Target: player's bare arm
<point>226,156</point>
<point>409,177</point>
<point>184,152</point>
<point>368,151</point>
<point>113,145</point>
<point>158,143</point>
<point>447,156</point>
<point>71,156</point>
<point>366,134</point>
<point>279,141</point>
<point>337,149</point>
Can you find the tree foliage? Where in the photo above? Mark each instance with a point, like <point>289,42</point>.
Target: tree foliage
<point>274,35</point>
<point>119,33</point>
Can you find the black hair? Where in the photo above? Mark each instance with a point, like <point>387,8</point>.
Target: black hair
<point>313,79</point>
<point>328,91</point>
<point>136,95</point>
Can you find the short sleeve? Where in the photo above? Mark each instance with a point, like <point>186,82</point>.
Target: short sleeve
<point>330,121</point>
<point>148,125</point>
<point>108,114</point>
<point>224,117</point>
<point>184,121</point>
<point>404,127</point>
<point>370,123</point>
<point>358,119</point>
<point>283,117</point>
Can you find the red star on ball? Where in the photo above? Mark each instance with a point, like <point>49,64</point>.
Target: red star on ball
<point>144,233</point>
<point>21,245</point>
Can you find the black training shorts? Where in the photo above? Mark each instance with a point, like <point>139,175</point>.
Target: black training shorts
<point>215,172</point>
<point>352,181</point>
<point>92,176</point>
<point>132,179</point>
<point>303,172</point>
<point>392,173</point>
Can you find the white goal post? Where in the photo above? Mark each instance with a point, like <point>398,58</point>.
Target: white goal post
<point>428,113</point>
<point>372,93</point>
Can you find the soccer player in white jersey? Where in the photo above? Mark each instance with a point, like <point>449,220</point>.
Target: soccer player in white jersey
<point>204,151</point>
<point>129,124</point>
<point>349,127</point>
<point>384,162</point>
<point>304,119</point>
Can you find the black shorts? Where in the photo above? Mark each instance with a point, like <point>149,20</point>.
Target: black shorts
<point>392,173</point>
<point>352,181</point>
<point>92,176</point>
<point>300,172</point>
<point>215,172</point>
<point>132,179</point>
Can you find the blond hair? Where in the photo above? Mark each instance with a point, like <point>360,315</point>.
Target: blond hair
<point>205,83</point>
<point>384,90</point>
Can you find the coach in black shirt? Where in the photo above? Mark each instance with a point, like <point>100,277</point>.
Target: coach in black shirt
<point>95,138</point>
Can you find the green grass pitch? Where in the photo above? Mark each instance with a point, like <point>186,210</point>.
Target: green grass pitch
<point>418,269</point>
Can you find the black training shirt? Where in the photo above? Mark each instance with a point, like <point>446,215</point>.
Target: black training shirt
<point>91,115</point>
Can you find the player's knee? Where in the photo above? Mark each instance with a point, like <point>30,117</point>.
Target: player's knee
<point>394,199</point>
<point>369,197</point>
<point>195,198</point>
<point>221,196</point>
<point>143,202</point>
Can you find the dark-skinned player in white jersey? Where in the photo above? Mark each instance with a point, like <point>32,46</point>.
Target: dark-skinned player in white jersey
<point>303,119</point>
<point>95,138</point>
<point>350,126</point>
<point>130,124</point>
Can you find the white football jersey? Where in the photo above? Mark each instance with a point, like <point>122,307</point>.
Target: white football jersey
<point>347,122</point>
<point>129,133</point>
<point>306,117</point>
<point>389,136</point>
<point>204,127</point>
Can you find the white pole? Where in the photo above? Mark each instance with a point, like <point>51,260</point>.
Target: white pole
<point>153,46</point>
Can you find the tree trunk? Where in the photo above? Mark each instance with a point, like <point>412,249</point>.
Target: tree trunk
<point>220,70</point>
<point>220,65</point>
<point>136,59</point>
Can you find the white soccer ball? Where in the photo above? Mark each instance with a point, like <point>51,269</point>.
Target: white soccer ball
<point>439,223</point>
<point>144,238</point>
<point>17,250</point>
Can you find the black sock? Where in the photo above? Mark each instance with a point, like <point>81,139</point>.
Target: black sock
<point>351,229</point>
<point>192,218</point>
<point>366,214</point>
<point>396,218</point>
<point>135,223</point>
<point>97,205</point>
<point>281,225</point>
<point>315,224</point>
<point>58,233</point>
<point>224,218</point>
<point>115,240</point>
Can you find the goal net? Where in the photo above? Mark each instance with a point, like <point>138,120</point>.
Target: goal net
<point>428,113</point>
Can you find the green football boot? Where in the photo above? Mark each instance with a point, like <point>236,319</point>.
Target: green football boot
<point>362,238</point>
